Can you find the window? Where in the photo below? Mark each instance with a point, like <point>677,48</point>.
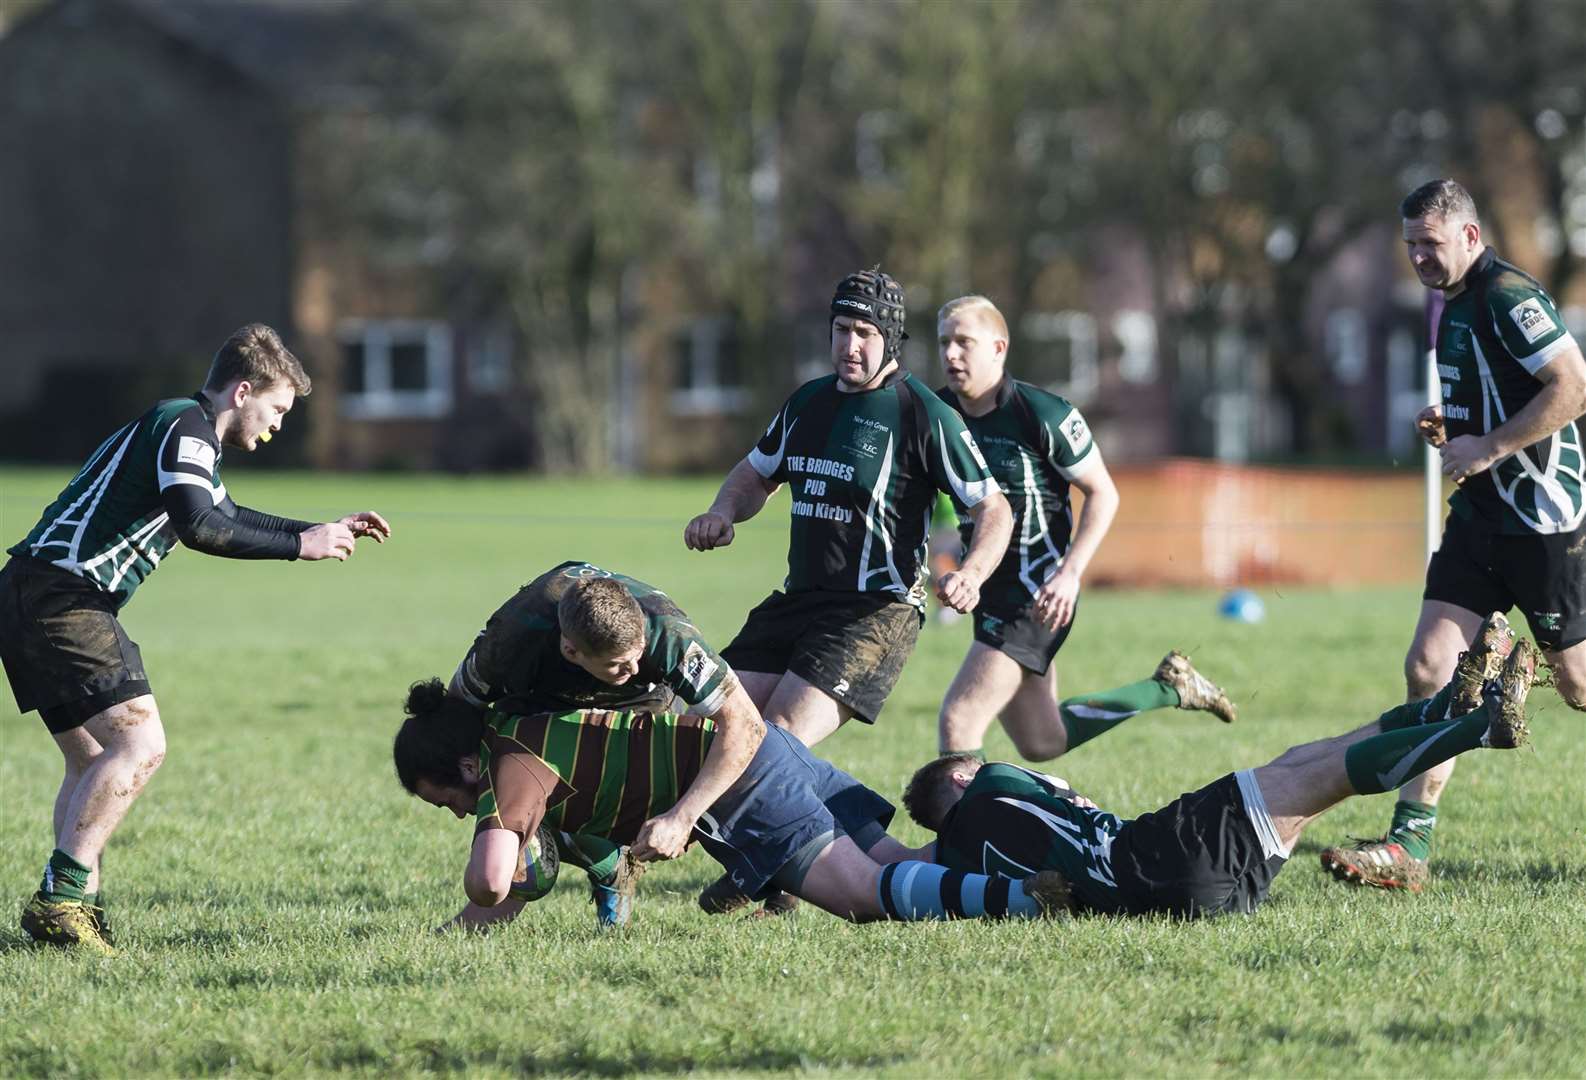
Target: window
<point>706,356</point>
<point>1057,350</point>
<point>1345,334</point>
<point>1136,334</point>
<point>395,369</point>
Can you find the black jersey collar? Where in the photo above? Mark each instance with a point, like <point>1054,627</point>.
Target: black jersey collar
<point>205,404</point>
<point>1483,264</point>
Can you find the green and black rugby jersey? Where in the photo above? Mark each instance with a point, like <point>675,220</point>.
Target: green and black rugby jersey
<point>863,470</point>
<point>1036,443</point>
<point>517,658</point>
<point>592,773</point>
<point>1014,822</point>
<point>152,483</point>
<point>1494,336</point>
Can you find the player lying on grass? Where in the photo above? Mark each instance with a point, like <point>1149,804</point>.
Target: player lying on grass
<point>153,483</point>
<point>790,821</point>
<point>1214,850</point>
<point>579,637</point>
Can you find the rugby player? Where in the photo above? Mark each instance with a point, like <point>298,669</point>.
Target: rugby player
<point>580,637</point>
<point>788,820</point>
<point>1037,446</point>
<point>865,450</point>
<point>1215,850</point>
<point>152,483</point>
<point>1513,388</point>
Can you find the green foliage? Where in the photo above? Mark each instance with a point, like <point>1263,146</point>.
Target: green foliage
<point>274,888</point>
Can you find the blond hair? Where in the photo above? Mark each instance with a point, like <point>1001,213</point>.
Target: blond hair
<point>976,305</point>
<point>600,617</point>
<point>256,354</point>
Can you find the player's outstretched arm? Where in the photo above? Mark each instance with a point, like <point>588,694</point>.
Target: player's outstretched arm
<point>1055,600</point>
<point>743,495</point>
<point>739,731</point>
<point>491,864</point>
<point>332,540</point>
<point>1562,399</point>
<point>993,517</point>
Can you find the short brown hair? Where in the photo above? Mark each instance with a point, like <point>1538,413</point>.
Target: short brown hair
<point>930,793</point>
<point>256,354</point>
<point>600,616</point>
<point>1446,199</point>
<point>978,305</point>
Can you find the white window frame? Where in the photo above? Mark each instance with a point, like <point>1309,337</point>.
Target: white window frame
<point>707,397</point>
<point>1078,328</point>
<point>378,400</point>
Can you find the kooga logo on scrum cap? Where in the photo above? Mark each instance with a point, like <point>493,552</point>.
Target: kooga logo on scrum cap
<point>843,301</point>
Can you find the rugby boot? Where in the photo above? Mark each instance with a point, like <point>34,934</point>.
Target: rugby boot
<point>1381,863</point>
<point>101,921</point>
<point>1483,661</point>
<point>1505,698</point>
<point>777,905</point>
<point>1195,691</point>
<point>613,898</point>
<point>1050,890</point>
<point>63,923</point>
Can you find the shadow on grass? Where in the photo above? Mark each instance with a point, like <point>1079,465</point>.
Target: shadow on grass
<point>1532,873</point>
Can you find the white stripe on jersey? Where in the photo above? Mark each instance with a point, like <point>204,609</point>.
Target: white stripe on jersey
<point>166,479</point>
<point>767,464</point>
<point>94,493</point>
<point>1554,512</point>
<point>875,525</point>
<point>1034,528</point>
<point>969,492</point>
<point>1101,868</point>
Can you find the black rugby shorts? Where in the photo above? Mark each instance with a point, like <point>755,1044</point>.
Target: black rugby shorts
<point>1483,571</point>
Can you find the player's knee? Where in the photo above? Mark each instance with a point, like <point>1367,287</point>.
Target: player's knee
<point>1423,676</point>
<point>1571,686</point>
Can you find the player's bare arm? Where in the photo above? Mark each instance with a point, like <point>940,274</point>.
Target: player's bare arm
<point>367,523</point>
<point>993,517</point>
<point>494,859</point>
<point>1055,600</point>
<point>1562,399</point>
<point>739,731</point>
<point>743,495</point>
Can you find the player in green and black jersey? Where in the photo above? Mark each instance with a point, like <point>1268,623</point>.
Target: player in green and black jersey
<point>1212,851</point>
<point>154,482</point>
<point>529,658</point>
<point>1514,390</point>
<point>1037,446</point>
<point>787,821</point>
<point>864,451</point>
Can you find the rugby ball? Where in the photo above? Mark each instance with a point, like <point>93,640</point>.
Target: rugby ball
<point>538,865</point>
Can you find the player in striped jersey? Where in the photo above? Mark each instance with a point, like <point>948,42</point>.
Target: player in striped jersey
<point>152,484</point>
<point>1215,850</point>
<point>1513,392</point>
<point>788,821</point>
<point>578,637</point>
<point>1037,445</point>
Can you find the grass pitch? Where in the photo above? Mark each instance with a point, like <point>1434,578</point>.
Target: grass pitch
<point>274,888</point>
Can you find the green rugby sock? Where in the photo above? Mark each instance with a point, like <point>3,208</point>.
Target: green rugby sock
<point>595,855</point>
<point>1412,827</point>
<point>1095,714</point>
<point>64,878</point>
<point>1383,762</point>
<point>1426,711</point>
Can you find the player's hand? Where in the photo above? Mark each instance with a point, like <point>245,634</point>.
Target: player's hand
<point>1055,601</point>
<point>332,540</point>
<point>662,837</point>
<point>1466,455</point>
<point>368,523</point>
<point>709,530</point>
<point>1429,425</point>
<point>958,591</point>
